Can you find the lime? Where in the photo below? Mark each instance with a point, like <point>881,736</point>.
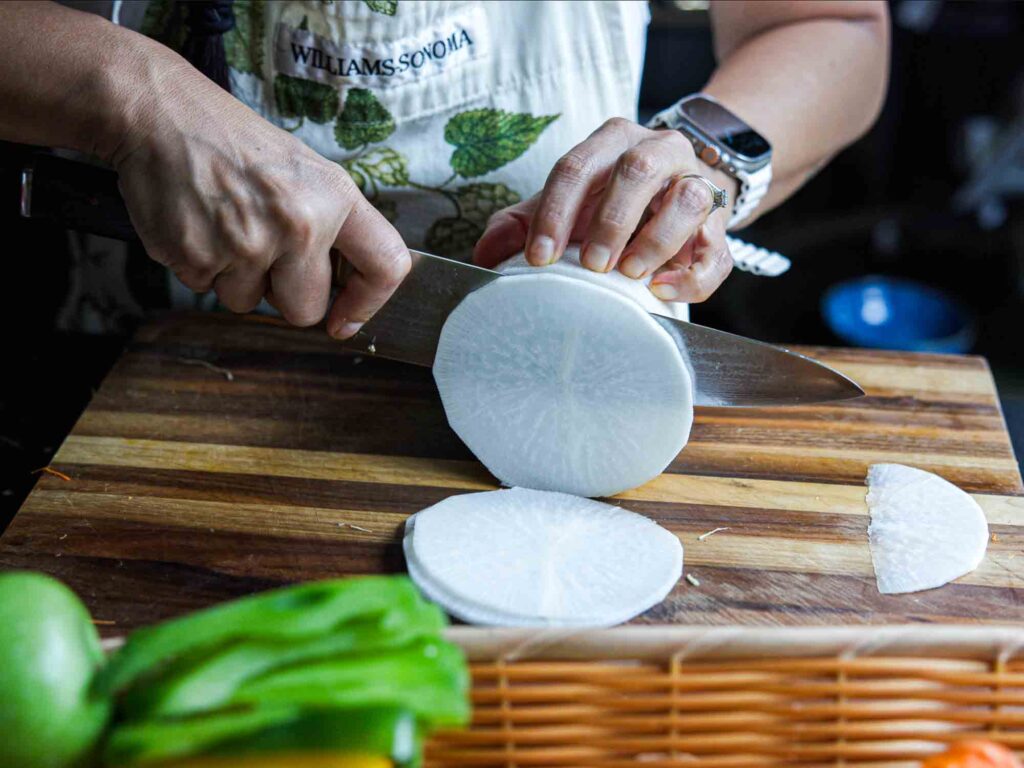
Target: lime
<point>49,652</point>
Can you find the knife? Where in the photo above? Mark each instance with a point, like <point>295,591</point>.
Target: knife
<point>728,370</point>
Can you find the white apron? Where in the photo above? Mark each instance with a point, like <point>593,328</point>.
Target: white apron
<point>442,111</point>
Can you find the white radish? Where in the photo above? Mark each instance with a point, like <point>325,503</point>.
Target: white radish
<point>569,266</point>
<point>521,557</point>
<point>565,383</point>
<point>924,531</point>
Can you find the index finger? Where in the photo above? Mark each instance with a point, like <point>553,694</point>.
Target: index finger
<point>380,260</point>
<point>573,177</point>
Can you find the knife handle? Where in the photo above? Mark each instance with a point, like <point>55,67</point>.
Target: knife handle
<point>76,195</point>
<point>86,197</point>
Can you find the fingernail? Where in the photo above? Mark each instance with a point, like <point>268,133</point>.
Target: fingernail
<point>346,330</point>
<point>633,267</point>
<point>665,291</point>
<point>596,257</point>
<point>542,251</point>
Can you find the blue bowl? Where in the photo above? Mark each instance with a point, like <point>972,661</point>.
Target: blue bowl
<point>893,313</point>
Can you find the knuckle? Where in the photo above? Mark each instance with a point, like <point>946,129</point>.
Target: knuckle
<point>343,188</point>
<point>676,141</point>
<point>616,123</point>
<point>301,225</point>
<point>249,252</point>
<point>658,239</point>
<point>637,166</point>
<point>200,262</point>
<point>392,267</point>
<point>188,250</point>
<point>573,166</point>
<point>613,217</point>
<point>551,216</point>
<point>694,197</point>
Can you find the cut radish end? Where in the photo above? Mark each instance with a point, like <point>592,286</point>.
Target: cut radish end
<point>560,384</point>
<point>569,266</point>
<point>924,531</point>
<point>534,558</point>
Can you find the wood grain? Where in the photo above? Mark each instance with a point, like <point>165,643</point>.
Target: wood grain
<point>188,488</point>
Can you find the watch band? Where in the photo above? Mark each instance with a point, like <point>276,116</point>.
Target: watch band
<point>756,260</point>
<point>753,188</point>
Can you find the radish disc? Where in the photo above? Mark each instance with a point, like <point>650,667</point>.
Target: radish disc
<point>924,531</point>
<point>521,557</point>
<point>559,384</point>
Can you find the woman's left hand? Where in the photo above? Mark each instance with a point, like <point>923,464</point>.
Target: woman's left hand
<point>619,193</point>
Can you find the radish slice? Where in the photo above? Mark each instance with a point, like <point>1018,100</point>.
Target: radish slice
<point>533,558</point>
<point>462,610</point>
<point>560,384</point>
<point>924,531</point>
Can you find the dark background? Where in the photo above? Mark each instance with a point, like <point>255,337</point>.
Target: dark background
<point>886,205</point>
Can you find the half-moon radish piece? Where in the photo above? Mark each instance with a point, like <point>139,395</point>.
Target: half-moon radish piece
<point>560,384</point>
<point>924,531</point>
<point>521,557</point>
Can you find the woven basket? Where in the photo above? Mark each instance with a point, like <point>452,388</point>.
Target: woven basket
<point>733,698</point>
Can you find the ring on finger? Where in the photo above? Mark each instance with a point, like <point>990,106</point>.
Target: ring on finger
<point>719,196</point>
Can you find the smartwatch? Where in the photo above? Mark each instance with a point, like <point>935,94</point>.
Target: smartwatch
<point>723,141</point>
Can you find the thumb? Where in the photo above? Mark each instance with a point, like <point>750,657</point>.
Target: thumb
<point>505,234</point>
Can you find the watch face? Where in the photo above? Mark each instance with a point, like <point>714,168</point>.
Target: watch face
<point>725,128</point>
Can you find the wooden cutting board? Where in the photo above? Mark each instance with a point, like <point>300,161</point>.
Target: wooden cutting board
<point>291,460</point>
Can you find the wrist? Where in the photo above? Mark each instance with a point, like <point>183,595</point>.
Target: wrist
<point>126,88</point>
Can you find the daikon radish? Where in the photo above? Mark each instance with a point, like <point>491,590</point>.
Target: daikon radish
<point>521,557</point>
<point>924,531</point>
<point>558,379</point>
<point>569,266</point>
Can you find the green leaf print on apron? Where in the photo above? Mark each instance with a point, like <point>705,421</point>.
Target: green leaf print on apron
<point>387,7</point>
<point>243,45</point>
<point>484,140</point>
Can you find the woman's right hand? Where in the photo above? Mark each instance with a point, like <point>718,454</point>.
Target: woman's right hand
<point>229,202</point>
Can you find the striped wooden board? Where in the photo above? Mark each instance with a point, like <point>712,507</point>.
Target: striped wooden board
<point>188,488</point>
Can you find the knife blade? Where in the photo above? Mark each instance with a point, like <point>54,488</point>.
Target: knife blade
<point>728,370</point>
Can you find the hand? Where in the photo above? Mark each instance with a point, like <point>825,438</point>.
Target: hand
<point>231,203</point>
<point>619,194</point>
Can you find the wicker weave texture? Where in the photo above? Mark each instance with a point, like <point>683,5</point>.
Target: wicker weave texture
<point>770,701</point>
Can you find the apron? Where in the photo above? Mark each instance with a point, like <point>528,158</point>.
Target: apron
<point>442,111</point>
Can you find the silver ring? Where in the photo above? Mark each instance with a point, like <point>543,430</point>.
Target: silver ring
<point>719,197</point>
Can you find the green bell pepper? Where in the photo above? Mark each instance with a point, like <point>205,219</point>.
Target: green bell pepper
<point>198,685</point>
<point>430,678</point>
<point>293,613</point>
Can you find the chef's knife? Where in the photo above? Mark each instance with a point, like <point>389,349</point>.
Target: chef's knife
<point>728,370</point>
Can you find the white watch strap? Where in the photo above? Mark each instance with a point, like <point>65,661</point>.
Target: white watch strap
<point>755,260</point>
<point>753,188</point>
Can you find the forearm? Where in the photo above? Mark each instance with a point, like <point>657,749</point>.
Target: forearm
<point>70,79</point>
<point>810,76</point>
